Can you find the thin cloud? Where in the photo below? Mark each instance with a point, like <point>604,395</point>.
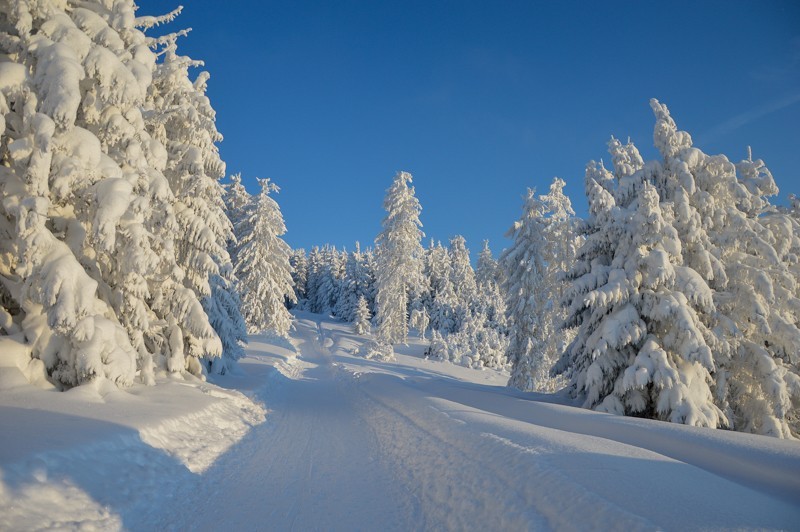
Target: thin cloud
<point>745,118</point>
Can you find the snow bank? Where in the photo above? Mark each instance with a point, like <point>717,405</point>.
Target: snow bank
<point>96,457</point>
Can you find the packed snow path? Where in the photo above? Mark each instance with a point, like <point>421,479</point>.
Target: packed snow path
<point>314,465</point>
<point>353,444</point>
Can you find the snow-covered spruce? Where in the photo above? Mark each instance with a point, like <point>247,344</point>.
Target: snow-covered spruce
<point>440,299</point>
<point>263,266</point>
<point>683,291</point>
<point>355,283</point>
<point>725,218</point>
<point>361,323</point>
<point>419,320</point>
<point>489,277</point>
<point>299,263</point>
<point>462,279</point>
<point>524,264</point>
<point>238,206</point>
<point>90,270</point>
<point>223,307</point>
<point>181,117</point>
<point>544,248</point>
<point>399,260</point>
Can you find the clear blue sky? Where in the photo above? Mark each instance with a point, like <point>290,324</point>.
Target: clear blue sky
<point>480,100</point>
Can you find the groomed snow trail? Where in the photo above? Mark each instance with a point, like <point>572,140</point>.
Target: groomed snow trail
<point>314,464</point>
<point>351,445</point>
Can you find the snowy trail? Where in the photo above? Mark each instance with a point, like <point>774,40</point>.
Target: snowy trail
<point>348,446</point>
<point>313,465</point>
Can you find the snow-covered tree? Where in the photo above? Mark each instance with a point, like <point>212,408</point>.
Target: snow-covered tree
<point>462,279</point>
<point>326,279</point>
<point>399,259</point>
<point>740,247</point>
<point>361,323</point>
<point>561,245</point>
<point>419,320</point>
<point>441,298</point>
<point>299,264</point>
<point>641,348</point>
<point>180,116</point>
<point>683,291</point>
<point>437,349</point>
<point>491,301</point>
<point>238,204</point>
<point>315,260</point>
<point>525,270</point>
<point>223,307</point>
<point>354,284</point>
<point>93,215</point>
<point>263,268</point>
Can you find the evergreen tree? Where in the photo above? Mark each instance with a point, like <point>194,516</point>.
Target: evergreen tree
<point>679,289</point>
<point>314,270</point>
<point>263,269</point>
<point>361,323</point>
<point>223,307</point>
<point>355,284</point>
<point>326,280</point>
<point>524,287</point>
<point>90,216</point>
<point>399,259</point>
<point>491,301</point>
<point>238,204</point>
<point>182,118</point>
<point>641,348</point>
<point>462,279</point>
<point>560,247</point>
<point>419,320</point>
<point>738,247</point>
<point>441,298</point>
<point>299,263</point>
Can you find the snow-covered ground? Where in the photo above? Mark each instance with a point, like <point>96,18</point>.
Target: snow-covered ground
<point>310,437</point>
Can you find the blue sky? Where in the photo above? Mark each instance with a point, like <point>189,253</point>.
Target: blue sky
<point>480,100</point>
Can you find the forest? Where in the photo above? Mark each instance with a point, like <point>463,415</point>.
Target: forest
<point>127,253</point>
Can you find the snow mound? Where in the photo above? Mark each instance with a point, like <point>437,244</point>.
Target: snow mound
<point>376,349</point>
<point>100,458</point>
<point>197,439</point>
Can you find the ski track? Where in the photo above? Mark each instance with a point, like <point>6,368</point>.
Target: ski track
<point>346,450</point>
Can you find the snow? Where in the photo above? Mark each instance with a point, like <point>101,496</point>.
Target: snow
<point>12,75</point>
<point>353,443</point>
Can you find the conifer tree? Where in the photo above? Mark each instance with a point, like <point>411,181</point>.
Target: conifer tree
<point>399,260</point>
<point>524,287</point>
<point>675,291</point>
<point>181,117</point>
<point>462,279</point>
<point>420,320</point>
<point>738,247</point>
<point>441,298</point>
<point>491,302</point>
<point>92,246</point>
<point>263,269</point>
<point>361,323</point>
<point>299,264</point>
<point>238,204</point>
